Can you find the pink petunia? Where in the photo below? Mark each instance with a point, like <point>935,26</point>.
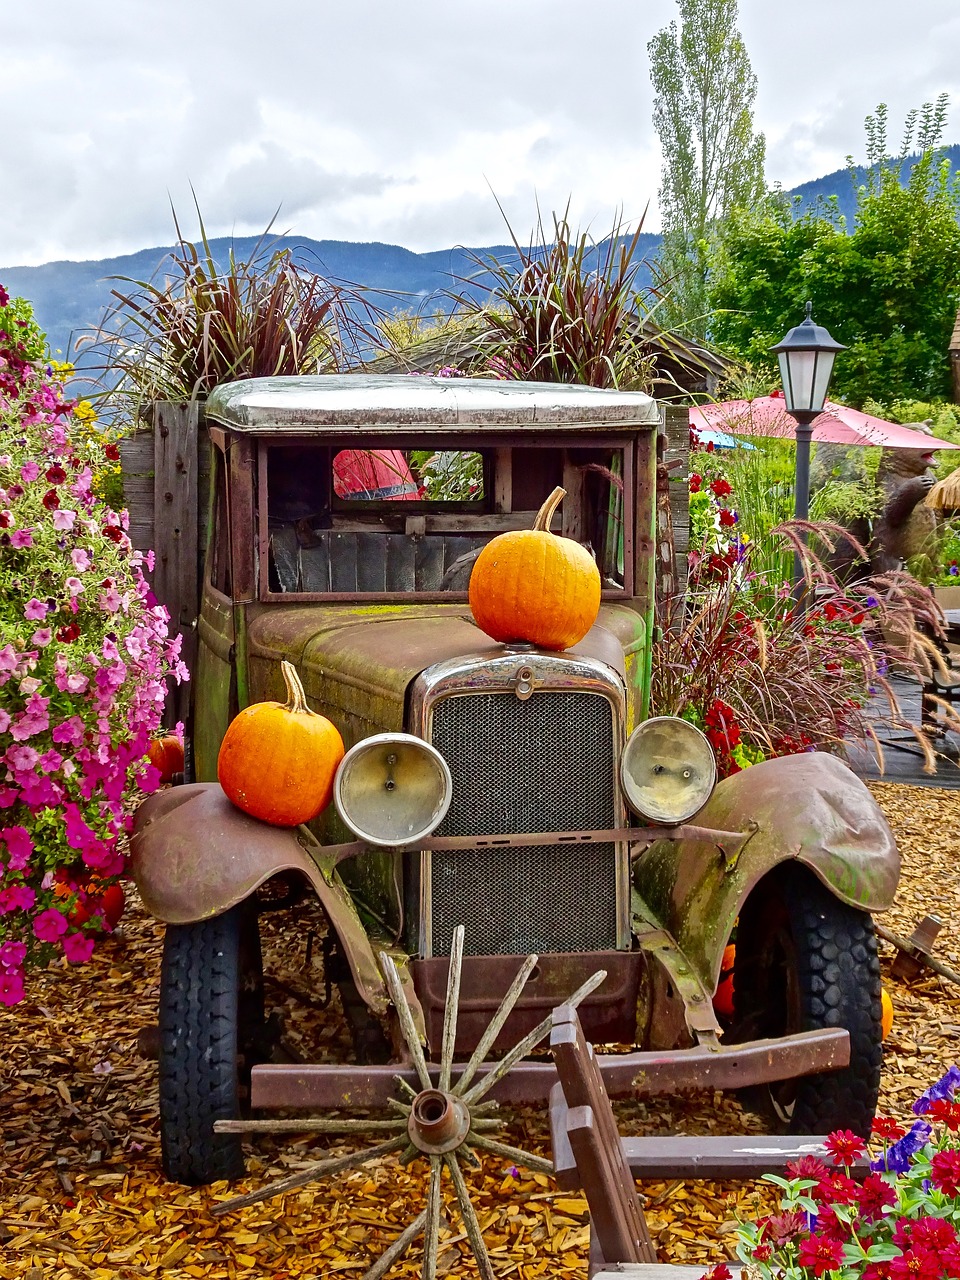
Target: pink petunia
<point>41,637</point>
<point>19,846</point>
<point>29,472</point>
<point>110,600</point>
<point>74,586</point>
<point>50,925</point>
<point>77,947</point>
<point>13,954</point>
<point>35,610</point>
<point>80,559</point>
<point>16,897</point>
<point>11,987</point>
<point>21,538</point>
<point>63,521</point>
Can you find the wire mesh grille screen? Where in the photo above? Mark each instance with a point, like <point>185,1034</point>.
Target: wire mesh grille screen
<point>546,764</point>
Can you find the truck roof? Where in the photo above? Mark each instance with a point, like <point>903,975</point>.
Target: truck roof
<point>412,404</point>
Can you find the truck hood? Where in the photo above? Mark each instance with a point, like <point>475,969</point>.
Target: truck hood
<point>357,661</point>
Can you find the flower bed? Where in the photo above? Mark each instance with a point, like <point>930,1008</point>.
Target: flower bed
<point>84,656</point>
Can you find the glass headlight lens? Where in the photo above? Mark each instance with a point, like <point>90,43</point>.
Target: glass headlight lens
<point>668,770</point>
<point>392,789</point>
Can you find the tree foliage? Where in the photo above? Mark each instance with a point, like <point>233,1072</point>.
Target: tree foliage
<point>888,287</point>
<point>712,159</point>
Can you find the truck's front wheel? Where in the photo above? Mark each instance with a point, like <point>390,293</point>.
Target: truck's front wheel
<point>805,961</point>
<point>211,1024</point>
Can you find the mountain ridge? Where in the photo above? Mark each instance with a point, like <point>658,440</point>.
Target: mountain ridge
<point>69,297</point>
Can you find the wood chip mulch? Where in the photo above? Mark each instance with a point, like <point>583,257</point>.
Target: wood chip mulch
<point>81,1192</point>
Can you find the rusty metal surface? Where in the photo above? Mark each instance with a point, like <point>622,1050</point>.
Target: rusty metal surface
<point>610,1013</point>
<point>354,403</point>
<point>194,855</point>
<point>325,1085</point>
<point>809,807</point>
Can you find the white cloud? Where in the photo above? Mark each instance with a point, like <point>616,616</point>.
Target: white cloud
<point>376,121</point>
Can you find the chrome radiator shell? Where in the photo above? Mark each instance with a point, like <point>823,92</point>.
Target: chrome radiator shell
<point>533,741</point>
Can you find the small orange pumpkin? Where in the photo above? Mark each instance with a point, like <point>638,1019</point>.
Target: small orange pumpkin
<point>94,897</point>
<point>886,1014</point>
<point>533,585</point>
<point>278,759</point>
<point>166,754</point>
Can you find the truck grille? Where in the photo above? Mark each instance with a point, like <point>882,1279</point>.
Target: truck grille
<point>545,764</point>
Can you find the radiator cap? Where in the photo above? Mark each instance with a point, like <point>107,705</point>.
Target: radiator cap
<point>393,789</point>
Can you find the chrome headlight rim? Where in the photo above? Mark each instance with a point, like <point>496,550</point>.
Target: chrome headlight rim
<point>700,748</point>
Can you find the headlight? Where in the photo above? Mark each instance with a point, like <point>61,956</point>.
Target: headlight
<point>668,770</point>
<point>392,789</point>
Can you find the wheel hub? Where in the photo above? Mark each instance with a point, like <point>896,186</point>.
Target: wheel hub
<point>438,1122</point>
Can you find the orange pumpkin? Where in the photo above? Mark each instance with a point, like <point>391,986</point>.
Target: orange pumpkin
<point>533,585</point>
<point>278,759</point>
<point>886,1014</point>
<point>94,898</point>
<point>723,1000</point>
<point>166,754</point>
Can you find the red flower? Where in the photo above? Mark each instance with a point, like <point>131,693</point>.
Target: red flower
<point>839,1189</point>
<point>876,1197</point>
<point>721,487</point>
<point>807,1167</point>
<point>821,1255</point>
<point>112,452</point>
<point>55,474</point>
<point>695,483</point>
<point>113,532</point>
<point>50,500</point>
<point>916,1264</point>
<point>845,1146</point>
<point>945,1112</point>
<point>720,1272</point>
<point>68,633</point>
<point>727,518</point>
<point>945,1172</point>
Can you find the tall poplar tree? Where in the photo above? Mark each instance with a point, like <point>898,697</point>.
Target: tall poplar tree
<point>712,160</point>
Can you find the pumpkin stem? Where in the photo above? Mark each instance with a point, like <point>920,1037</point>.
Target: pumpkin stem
<point>545,514</point>
<point>296,698</point>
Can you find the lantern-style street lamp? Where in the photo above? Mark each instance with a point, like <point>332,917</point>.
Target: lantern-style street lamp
<point>806,358</point>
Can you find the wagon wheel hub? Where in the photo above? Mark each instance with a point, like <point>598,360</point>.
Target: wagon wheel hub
<point>438,1122</point>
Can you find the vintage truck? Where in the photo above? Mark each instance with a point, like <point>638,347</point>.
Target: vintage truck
<point>523,793</point>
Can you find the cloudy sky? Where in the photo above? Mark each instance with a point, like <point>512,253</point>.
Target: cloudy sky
<point>372,120</point>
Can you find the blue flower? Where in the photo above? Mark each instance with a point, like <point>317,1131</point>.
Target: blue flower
<point>953,570</point>
<point>898,1156</point>
<point>943,1089</point>
<point>872,602</point>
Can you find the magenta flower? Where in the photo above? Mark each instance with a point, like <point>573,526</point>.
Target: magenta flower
<point>77,947</point>
<point>21,539</point>
<point>29,472</point>
<point>50,925</point>
<point>19,846</point>
<point>13,954</point>
<point>41,637</point>
<point>16,897</point>
<point>11,987</point>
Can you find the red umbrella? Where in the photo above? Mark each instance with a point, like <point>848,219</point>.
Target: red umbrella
<point>373,474</point>
<point>767,416</point>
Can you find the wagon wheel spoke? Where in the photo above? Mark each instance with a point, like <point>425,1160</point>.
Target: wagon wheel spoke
<point>470,1222</point>
<point>451,1008</point>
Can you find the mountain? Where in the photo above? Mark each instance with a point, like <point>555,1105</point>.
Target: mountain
<point>69,298</point>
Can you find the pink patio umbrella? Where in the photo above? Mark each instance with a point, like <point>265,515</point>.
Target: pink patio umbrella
<point>767,416</point>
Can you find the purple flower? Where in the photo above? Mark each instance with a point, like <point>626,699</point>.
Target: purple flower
<point>943,1089</point>
<point>898,1156</point>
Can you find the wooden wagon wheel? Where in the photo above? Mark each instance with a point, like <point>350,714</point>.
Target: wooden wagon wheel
<point>442,1123</point>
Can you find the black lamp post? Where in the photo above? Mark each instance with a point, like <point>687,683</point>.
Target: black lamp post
<point>806,358</point>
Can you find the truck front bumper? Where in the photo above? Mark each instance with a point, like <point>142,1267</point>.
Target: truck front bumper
<point>323,1086</point>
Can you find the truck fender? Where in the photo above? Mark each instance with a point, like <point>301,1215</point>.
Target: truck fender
<point>194,855</point>
<point>808,807</point>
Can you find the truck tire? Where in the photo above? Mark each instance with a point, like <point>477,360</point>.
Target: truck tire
<point>804,961</point>
<point>211,1026</point>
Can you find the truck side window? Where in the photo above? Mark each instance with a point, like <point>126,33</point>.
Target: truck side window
<point>220,544</point>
